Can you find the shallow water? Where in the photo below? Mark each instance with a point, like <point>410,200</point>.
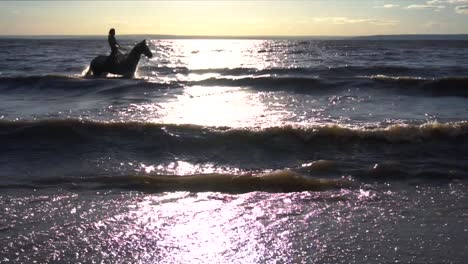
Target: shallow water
<point>378,224</point>
<point>235,151</point>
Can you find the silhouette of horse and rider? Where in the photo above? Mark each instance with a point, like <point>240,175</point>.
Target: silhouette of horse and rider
<point>117,62</point>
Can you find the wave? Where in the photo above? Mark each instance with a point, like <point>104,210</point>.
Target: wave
<point>52,82</point>
<point>77,84</point>
<point>384,171</point>
<point>225,71</point>
<point>329,133</point>
<point>277,181</point>
<point>449,86</point>
<point>337,71</point>
<point>45,81</point>
<point>112,85</point>
<point>394,133</point>
<point>374,70</point>
<point>86,148</point>
<point>322,175</point>
<point>270,83</point>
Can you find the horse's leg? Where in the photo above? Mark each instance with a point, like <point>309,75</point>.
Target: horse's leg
<point>100,72</point>
<point>96,73</point>
<point>88,72</point>
<point>99,66</point>
<point>95,69</point>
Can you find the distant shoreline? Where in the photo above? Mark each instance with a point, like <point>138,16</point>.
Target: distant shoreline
<point>450,37</point>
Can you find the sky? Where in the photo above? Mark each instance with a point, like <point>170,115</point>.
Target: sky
<point>235,18</point>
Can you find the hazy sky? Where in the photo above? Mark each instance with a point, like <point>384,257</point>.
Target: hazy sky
<point>312,17</point>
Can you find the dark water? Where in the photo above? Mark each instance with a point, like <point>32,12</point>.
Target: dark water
<point>235,151</point>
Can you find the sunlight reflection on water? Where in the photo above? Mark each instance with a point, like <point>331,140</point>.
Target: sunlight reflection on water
<point>182,168</point>
<point>216,106</point>
<point>338,226</point>
<point>210,54</point>
<point>215,227</point>
<point>211,106</point>
<point>210,84</point>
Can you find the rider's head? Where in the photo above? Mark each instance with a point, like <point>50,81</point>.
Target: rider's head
<point>112,32</point>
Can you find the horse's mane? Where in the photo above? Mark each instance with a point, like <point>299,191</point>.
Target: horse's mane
<point>137,47</point>
<point>141,43</point>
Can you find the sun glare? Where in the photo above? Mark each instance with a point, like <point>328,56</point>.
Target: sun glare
<point>216,54</point>
<point>210,105</point>
<point>215,106</point>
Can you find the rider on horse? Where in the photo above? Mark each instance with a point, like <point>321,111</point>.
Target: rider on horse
<point>118,63</point>
<point>113,45</point>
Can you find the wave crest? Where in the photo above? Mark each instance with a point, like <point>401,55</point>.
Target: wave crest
<point>90,129</point>
<point>277,181</point>
<point>303,83</point>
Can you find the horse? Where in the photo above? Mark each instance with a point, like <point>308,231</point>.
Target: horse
<point>122,64</point>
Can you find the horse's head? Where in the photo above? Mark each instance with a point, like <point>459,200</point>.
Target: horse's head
<point>145,49</point>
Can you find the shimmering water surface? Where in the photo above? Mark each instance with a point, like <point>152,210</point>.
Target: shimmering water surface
<point>235,151</point>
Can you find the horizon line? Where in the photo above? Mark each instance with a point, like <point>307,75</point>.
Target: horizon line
<point>157,34</point>
<point>169,36</point>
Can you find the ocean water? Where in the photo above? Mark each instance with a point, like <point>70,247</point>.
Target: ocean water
<point>235,151</point>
